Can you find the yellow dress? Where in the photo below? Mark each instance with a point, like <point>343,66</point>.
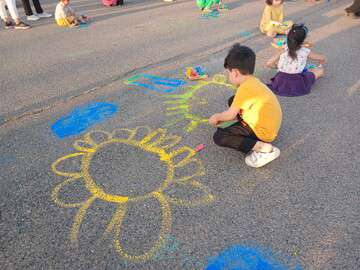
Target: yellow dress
<point>272,20</point>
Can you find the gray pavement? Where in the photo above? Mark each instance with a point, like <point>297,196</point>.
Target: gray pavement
<point>302,210</point>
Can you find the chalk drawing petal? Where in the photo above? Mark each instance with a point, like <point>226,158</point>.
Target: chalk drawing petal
<point>59,190</point>
<point>116,220</point>
<point>189,169</point>
<point>79,218</point>
<point>191,193</point>
<point>64,161</point>
<point>97,137</point>
<point>194,123</point>
<point>154,137</point>
<point>140,133</point>
<point>219,78</point>
<point>83,146</point>
<point>182,156</point>
<point>163,234</point>
<point>123,133</point>
<point>169,142</point>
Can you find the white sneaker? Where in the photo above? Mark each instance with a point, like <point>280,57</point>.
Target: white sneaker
<point>168,0</point>
<point>259,159</point>
<point>32,18</point>
<point>44,15</point>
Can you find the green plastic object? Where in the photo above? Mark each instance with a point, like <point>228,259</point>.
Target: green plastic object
<point>227,124</point>
<point>207,4</point>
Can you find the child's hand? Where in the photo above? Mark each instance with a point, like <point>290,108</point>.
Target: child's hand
<point>213,120</point>
<point>323,60</point>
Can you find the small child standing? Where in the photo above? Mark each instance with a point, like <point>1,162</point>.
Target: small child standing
<point>271,22</point>
<point>65,15</point>
<point>255,107</point>
<point>293,79</point>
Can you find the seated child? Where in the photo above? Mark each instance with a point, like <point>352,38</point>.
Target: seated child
<point>65,16</point>
<point>292,78</point>
<point>272,19</point>
<point>206,5</point>
<point>255,107</point>
<point>354,9</point>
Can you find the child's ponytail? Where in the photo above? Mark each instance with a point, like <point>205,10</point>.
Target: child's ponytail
<point>295,39</point>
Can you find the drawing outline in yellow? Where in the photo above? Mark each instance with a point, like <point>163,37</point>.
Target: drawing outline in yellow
<point>156,142</point>
<point>179,104</point>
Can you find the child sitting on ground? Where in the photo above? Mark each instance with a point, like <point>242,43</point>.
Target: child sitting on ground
<point>293,79</point>
<point>255,107</point>
<point>272,19</point>
<point>65,16</point>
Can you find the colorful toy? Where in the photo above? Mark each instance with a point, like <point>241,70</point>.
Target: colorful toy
<point>196,73</point>
<point>279,42</point>
<point>311,66</point>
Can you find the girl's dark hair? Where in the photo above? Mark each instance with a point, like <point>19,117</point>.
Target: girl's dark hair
<point>270,2</point>
<point>296,38</point>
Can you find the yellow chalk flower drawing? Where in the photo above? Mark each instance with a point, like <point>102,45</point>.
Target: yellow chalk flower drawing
<point>181,105</point>
<point>156,142</point>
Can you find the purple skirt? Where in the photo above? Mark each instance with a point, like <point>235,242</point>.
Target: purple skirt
<point>292,85</point>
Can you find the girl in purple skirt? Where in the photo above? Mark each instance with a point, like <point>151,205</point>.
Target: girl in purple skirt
<point>293,79</point>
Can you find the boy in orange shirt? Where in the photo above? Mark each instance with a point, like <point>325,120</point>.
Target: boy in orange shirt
<point>255,107</point>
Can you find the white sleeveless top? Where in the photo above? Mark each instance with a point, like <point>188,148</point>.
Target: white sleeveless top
<point>288,65</point>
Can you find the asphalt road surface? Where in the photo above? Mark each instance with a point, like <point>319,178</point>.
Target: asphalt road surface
<point>97,134</point>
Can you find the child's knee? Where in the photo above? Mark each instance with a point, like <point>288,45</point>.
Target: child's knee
<point>218,138</point>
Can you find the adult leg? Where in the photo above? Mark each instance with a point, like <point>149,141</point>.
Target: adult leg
<point>38,7</point>
<point>11,4</point>
<point>3,13</point>
<point>27,7</point>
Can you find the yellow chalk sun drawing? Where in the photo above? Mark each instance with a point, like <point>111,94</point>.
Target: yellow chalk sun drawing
<point>180,106</point>
<point>156,142</point>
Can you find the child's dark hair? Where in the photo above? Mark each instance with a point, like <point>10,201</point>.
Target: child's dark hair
<point>296,38</point>
<point>270,2</point>
<point>241,58</point>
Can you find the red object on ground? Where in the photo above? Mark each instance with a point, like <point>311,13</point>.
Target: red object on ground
<point>199,147</point>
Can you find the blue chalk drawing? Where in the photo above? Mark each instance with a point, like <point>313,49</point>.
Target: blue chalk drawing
<point>245,34</point>
<point>7,159</point>
<point>212,14</point>
<point>82,118</point>
<point>155,83</point>
<point>245,258</point>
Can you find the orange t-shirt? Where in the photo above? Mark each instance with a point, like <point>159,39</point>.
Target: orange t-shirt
<point>259,108</point>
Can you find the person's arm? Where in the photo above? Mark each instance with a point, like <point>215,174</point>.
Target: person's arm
<point>317,57</point>
<point>308,44</point>
<point>266,18</point>
<point>273,61</point>
<point>281,16</point>
<point>228,115</point>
